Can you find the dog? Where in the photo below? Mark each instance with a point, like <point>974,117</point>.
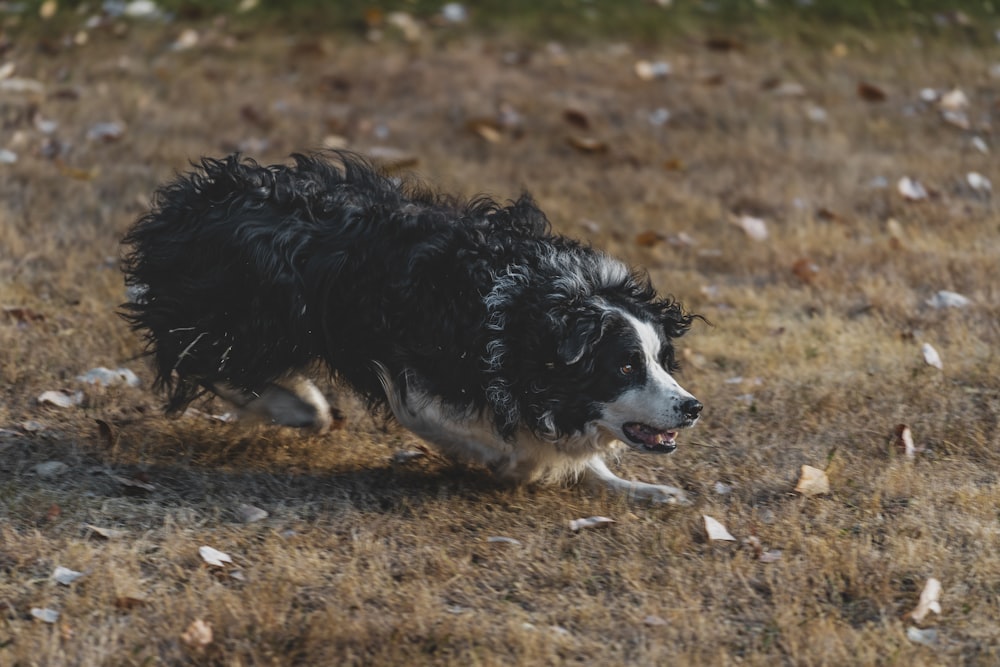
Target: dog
<point>471,322</point>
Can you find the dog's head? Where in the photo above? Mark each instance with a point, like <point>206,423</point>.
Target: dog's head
<point>596,363</point>
<point>613,370</point>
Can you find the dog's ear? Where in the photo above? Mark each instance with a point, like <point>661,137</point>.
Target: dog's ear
<point>583,332</point>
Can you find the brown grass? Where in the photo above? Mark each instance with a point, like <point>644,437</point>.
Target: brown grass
<point>363,561</point>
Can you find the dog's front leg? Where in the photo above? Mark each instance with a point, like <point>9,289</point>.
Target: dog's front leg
<point>598,474</point>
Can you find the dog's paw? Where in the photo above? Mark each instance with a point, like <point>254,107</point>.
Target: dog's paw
<point>661,494</point>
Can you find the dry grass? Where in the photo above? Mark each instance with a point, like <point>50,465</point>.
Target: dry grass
<point>363,561</point>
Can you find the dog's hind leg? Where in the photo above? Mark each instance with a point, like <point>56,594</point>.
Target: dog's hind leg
<point>294,401</point>
<point>597,474</point>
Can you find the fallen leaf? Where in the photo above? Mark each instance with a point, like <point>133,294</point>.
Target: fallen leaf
<point>954,100</point>
<point>406,24</point>
<point>647,70</point>
<point>499,539</point>
<point>50,469</point>
<point>755,228</point>
<point>946,299</point>
<point>106,132</point>
<point>249,513</point>
<point>188,39</point>
<point>649,239</point>
<point>106,533</point>
<point>60,399</point>
<point>723,44</point>
<point>486,129</point>
<point>722,488</point>
<point>587,144</point>
<point>66,576</point>
<point>654,621</point>
<point>812,482</point>
<point>198,635</point>
<point>590,522</point>
<point>929,600</point>
<point>978,182</point>
<point>105,377</point>
<point>980,145</point>
<point>45,615</point>
<point>577,119</point>
<point>54,513</point>
<point>770,556</point>
<point>959,119</point>
<point>716,531</point>
<point>48,9</point>
<point>926,637</point>
<point>911,189</point>
<point>130,600</point>
<point>805,270</point>
<point>931,356</point>
<point>7,156</point>
<point>904,441</point>
<point>214,556</point>
<point>871,93</point>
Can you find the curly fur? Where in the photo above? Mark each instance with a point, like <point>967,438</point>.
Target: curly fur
<point>242,274</point>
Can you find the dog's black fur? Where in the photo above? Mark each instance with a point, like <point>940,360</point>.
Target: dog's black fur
<point>242,273</point>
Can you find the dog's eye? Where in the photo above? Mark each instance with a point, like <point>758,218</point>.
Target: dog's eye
<point>631,365</point>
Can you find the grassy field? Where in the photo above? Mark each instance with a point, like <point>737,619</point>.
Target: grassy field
<point>813,355</point>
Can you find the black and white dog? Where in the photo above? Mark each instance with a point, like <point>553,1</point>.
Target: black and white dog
<point>481,331</point>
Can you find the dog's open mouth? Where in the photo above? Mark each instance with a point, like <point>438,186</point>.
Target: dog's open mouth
<point>651,439</point>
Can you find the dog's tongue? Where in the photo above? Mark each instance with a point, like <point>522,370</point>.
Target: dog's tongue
<point>650,438</point>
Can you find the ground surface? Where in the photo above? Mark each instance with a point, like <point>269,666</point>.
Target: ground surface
<point>814,356</point>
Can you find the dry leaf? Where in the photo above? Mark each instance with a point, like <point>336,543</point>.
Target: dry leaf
<point>871,93</point>
<point>716,531</point>
<point>188,39</point>
<point>931,356</point>
<point>929,600</point>
<point>487,129</point>
<point>770,556</point>
<point>577,119</point>
<point>649,239</point>
<point>946,299</point>
<point>954,100</point>
<point>647,71</point>
<point>927,637</point>
<point>904,441</point>
<point>130,600</point>
<point>911,189</point>
<point>44,614</point>
<point>60,399</point>
<point>132,484</point>
<point>722,488</point>
<point>978,182</point>
<point>805,270</point>
<point>653,620</point>
<point>50,469</point>
<point>587,144</point>
<point>66,576</point>
<point>104,377</point>
<point>249,514</point>
<point>812,482</point>
<point>980,145</point>
<point>106,132</point>
<point>959,119</point>
<point>723,44</point>
<point>198,635</point>
<point>590,522</point>
<point>48,9</point>
<point>106,533</point>
<point>755,228</point>
<point>499,539</point>
<point>214,556</point>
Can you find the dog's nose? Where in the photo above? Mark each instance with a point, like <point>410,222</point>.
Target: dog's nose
<point>691,408</point>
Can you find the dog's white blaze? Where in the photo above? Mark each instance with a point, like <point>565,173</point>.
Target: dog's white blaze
<point>656,402</point>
